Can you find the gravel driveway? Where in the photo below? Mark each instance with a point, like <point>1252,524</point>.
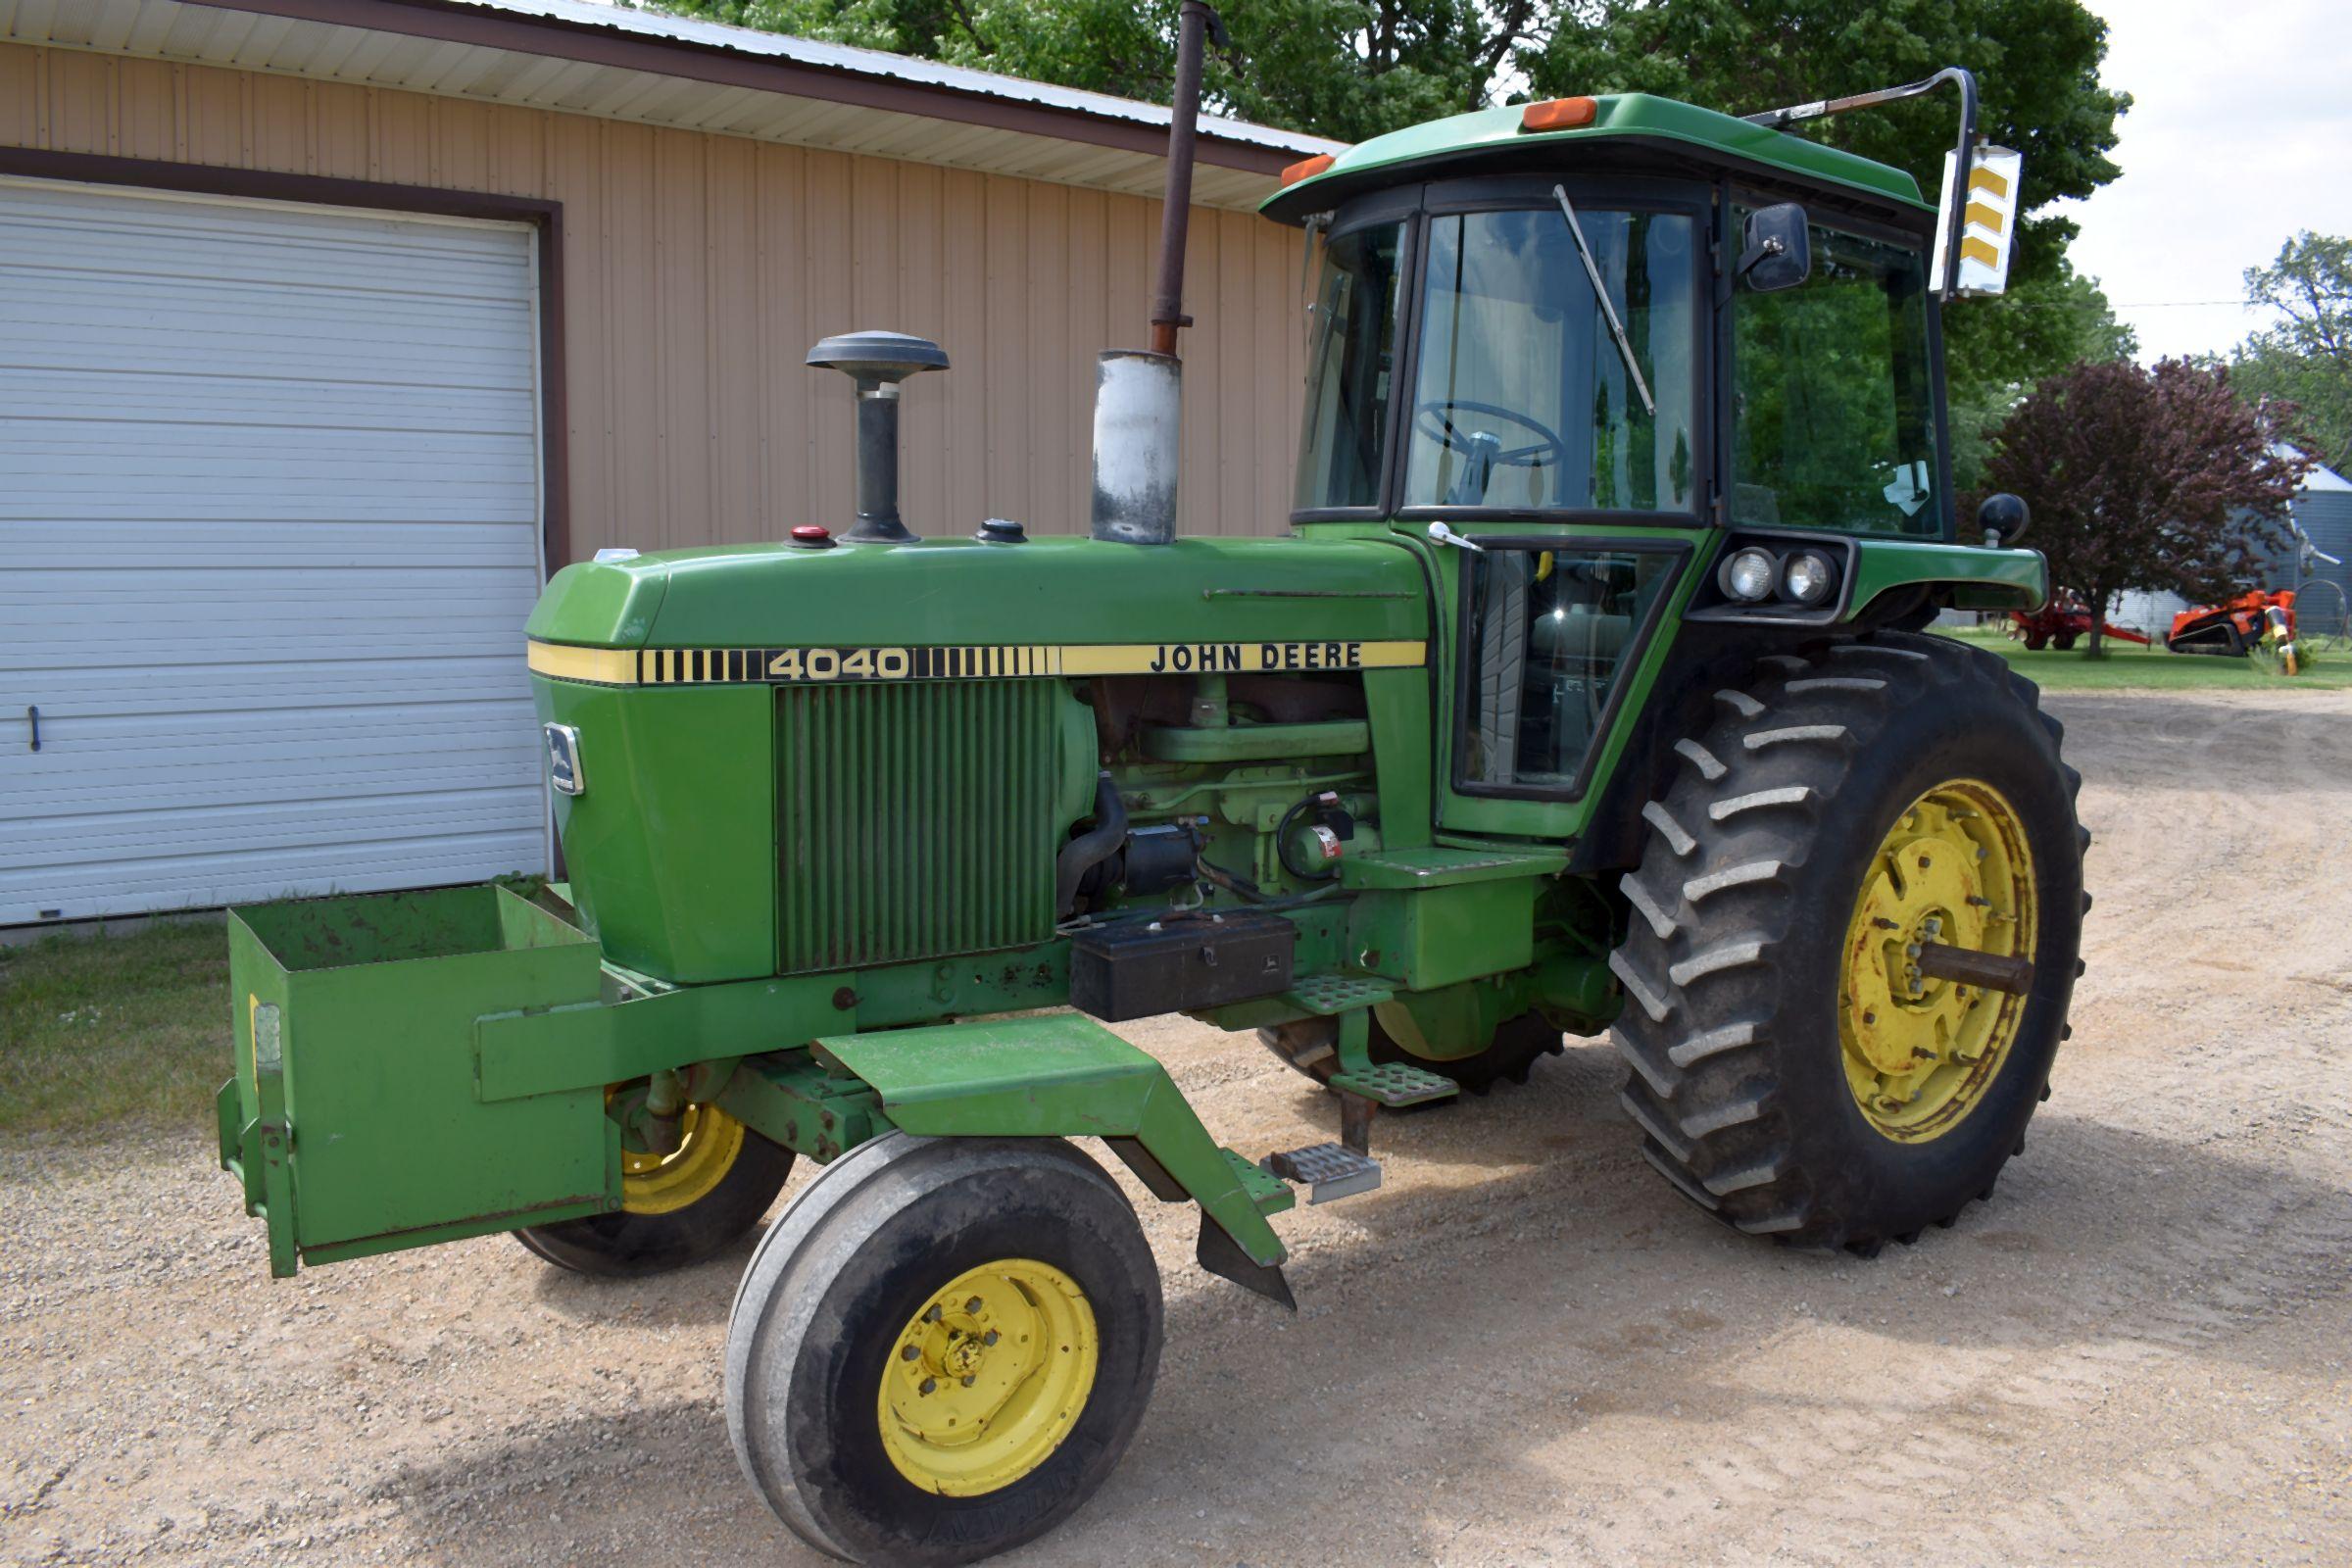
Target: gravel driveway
<point>1524,1348</point>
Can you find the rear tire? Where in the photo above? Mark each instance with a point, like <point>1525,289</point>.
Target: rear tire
<point>1744,970</point>
<point>827,1406</point>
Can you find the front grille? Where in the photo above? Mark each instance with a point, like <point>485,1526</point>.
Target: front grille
<point>914,820</point>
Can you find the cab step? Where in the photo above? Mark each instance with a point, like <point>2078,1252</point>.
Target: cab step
<point>1394,1084</point>
<point>1327,1171</point>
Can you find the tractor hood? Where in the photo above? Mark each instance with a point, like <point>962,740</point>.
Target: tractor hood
<point>942,592</point>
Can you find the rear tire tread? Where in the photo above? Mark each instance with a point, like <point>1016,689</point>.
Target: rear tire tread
<point>1701,1087</point>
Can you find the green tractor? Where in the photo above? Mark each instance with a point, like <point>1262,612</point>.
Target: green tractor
<point>1587,695</point>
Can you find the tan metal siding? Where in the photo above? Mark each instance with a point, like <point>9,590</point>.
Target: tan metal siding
<point>699,268</point>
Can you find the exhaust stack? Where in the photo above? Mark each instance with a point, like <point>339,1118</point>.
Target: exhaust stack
<point>1138,404</point>
<point>877,362</point>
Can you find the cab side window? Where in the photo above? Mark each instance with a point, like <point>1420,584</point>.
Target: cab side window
<point>1833,413</point>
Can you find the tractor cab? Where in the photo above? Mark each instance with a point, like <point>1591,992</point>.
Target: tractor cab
<point>1593,350</point>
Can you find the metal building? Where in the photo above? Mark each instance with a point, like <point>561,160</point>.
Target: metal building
<point>2323,511</point>
<point>333,324</point>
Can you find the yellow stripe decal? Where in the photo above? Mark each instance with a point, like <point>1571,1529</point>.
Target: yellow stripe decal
<point>1981,179</point>
<point>792,667</point>
<point>603,667</point>
<point>1973,248</point>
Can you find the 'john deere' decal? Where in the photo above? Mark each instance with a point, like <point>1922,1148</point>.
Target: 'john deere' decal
<point>706,666</point>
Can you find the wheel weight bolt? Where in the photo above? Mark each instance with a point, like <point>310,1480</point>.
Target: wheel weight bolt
<point>907,1352</point>
<point>972,1305</point>
<point>934,1315</point>
<point>928,1385</point>
<point>969,1379</point>
<point>990,1338</point>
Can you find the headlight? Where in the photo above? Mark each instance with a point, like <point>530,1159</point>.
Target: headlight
<point>1809,577</point>
<point>1746,574</point>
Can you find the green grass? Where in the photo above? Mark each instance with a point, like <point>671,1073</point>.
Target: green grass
<point>120,1030</point>
<point>2128,667</point>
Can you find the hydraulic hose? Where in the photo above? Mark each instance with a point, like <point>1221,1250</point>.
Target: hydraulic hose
<point>1090,847</point>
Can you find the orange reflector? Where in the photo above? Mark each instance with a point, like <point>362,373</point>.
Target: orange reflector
<point>1307,169</point>
<point>1560,114</point>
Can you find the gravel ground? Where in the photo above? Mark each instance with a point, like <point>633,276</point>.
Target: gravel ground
<point>1523,1350</point>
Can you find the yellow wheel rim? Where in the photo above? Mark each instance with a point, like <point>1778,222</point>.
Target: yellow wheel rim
<point>709,1139</point>
<point>1921,1052</point>
<point>984,1383</point>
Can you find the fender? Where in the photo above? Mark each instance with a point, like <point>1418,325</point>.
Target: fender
<point>1067,1076</point>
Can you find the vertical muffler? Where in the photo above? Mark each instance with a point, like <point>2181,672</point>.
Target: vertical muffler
<point>1138,394</point>
<point>1139,429</point>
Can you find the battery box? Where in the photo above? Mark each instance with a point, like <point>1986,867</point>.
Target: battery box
<point>1181,963</point>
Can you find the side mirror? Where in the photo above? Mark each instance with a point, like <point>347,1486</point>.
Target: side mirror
<point>2003,517</point>
<point>1777,249</point>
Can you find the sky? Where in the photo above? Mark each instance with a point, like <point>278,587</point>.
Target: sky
<point>2240,133</point>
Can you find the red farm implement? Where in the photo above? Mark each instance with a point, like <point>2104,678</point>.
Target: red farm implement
<point>2060,623</point>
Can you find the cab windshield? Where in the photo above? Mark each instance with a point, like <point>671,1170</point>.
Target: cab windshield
<point>1523,396</point>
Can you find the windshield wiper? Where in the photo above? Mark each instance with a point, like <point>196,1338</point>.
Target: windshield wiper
<point>1625,347</point>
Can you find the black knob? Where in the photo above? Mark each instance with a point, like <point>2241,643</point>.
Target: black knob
<point>2004,515</point>
<point>1001,532</point>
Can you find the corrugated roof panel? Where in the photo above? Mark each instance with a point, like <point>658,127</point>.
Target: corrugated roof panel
<point>396,56</point>
<point>222,43</point>
<point>111,25</point>
<point>888,67</point>
<point>516,78</point>
<point>150,29</point>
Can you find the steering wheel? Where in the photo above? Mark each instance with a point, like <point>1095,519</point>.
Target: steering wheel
<point>1435,419</point>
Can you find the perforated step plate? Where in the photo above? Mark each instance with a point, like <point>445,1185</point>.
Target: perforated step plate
<point>1395,1083</point>
<point>1327,1171</point>
<point>1329,994</point>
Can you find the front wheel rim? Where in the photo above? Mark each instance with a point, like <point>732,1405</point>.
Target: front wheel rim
<point>1921,1054</point>
<point>988,1378</point>
<point>709,1142</point>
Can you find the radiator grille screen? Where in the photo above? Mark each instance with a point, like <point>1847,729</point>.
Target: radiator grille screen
<point>914,820</point>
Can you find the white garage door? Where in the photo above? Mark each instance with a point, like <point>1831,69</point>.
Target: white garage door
<point>268,534</point>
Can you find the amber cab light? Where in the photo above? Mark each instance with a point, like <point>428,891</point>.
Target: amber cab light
<point>1560,114</point>
<point>1307,169</point>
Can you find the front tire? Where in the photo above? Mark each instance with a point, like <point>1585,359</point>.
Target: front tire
<point>1310,1046</point>
<point>676,1209</point>
<point>942,1348</point>
<point>1788,1075</point>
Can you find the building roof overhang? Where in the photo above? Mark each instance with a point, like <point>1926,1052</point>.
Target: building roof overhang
<point>573,56</point>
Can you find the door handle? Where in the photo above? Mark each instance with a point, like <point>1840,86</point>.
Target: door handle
<point>32,716</point>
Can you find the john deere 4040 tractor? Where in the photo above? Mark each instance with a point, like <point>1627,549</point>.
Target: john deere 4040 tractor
<point>1588,694</point>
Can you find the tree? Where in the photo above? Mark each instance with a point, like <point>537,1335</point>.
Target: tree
<point>1343,69</point>
<point>2036,62</point>
<point>2307,358</point>
<point>2140,478</point>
